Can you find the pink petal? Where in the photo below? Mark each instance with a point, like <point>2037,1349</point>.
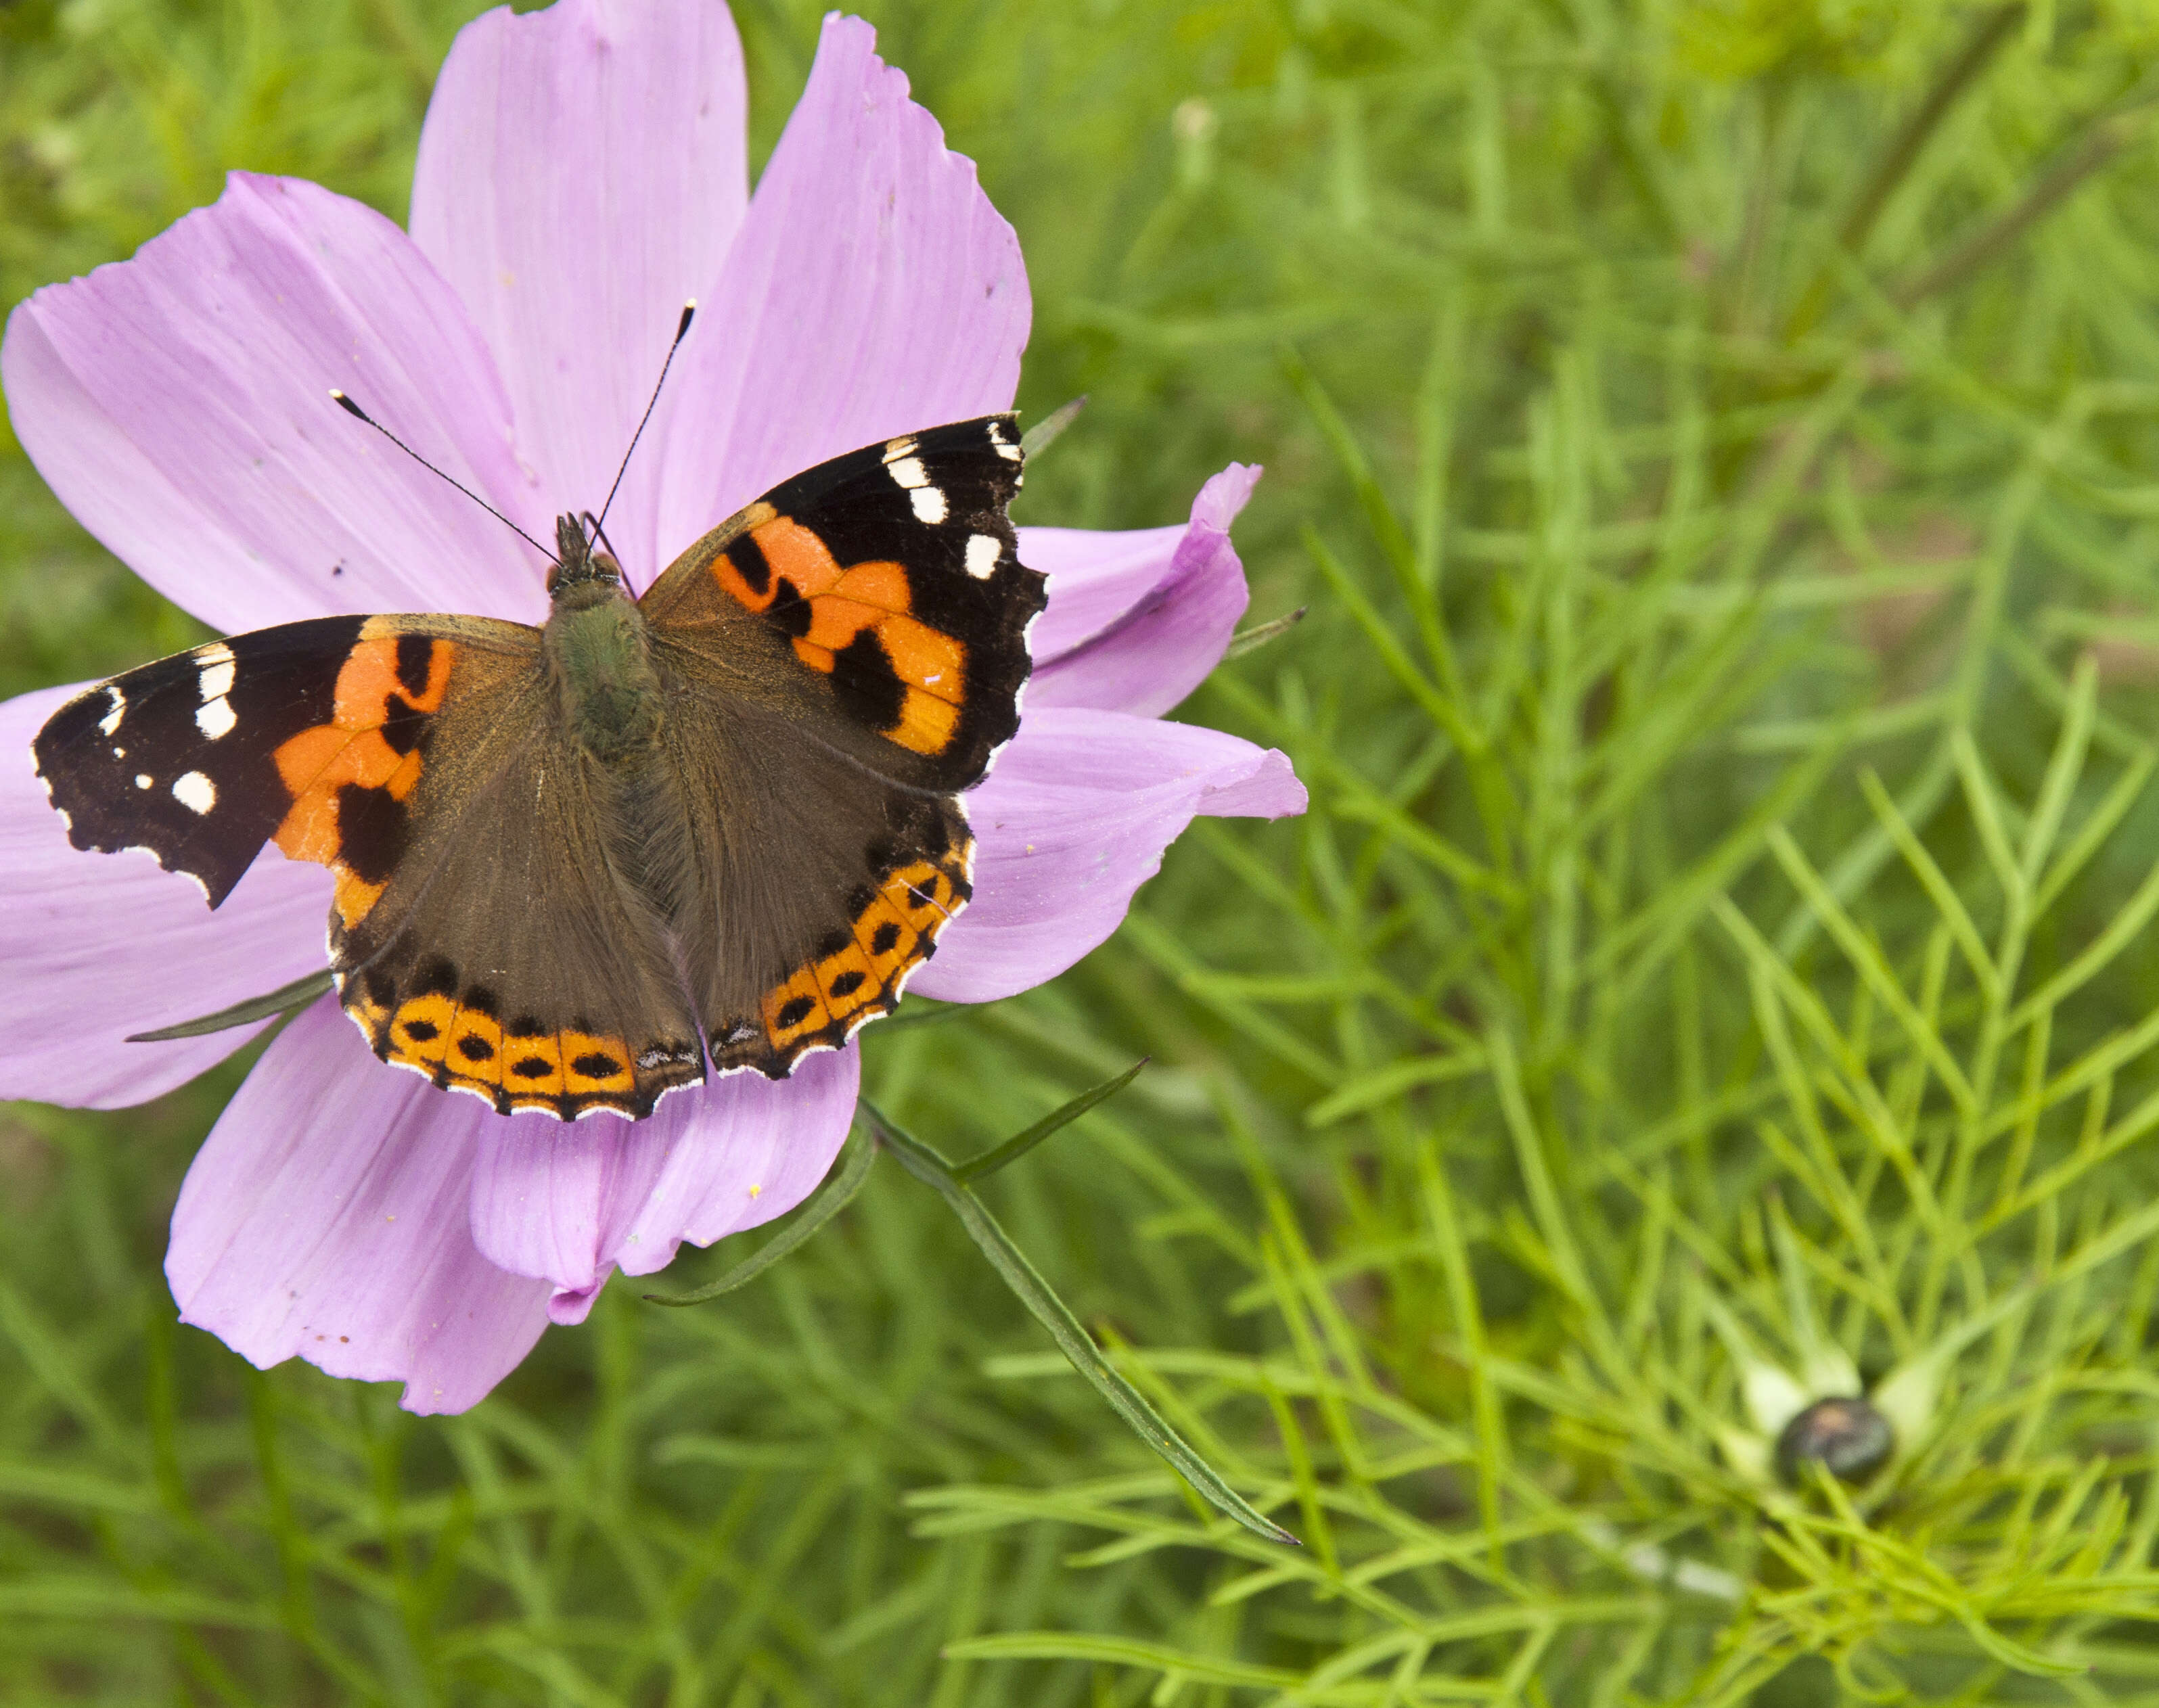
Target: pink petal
<point>1072,820</point>
<point>569,1202</point>
<point>582,172</point>
<point>757,1148</point>
<point>548,1199</point>
<point>1136,621</point>
<point>326,1216</point>
<point>1095,576</point>
<point>99,945</point>
<point>872,291</point>
<point>178,404</point>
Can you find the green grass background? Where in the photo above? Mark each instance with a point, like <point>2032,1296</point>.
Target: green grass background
<point>1714,439</point>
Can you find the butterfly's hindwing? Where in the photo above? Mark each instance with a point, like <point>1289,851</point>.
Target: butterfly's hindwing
<point>514,953</point>
<point>819,887</point>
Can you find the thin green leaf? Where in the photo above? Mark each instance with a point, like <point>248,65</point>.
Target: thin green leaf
<point>1379,632</point>
<point>299,992</point>
<point>1017,1146</point>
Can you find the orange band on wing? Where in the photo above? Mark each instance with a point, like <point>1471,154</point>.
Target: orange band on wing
<point>925,658</point>
<point>894,931</point>
<point>926,723</point>
<point>797,555</point>
<point>874,597</point>
<point>351,751</point>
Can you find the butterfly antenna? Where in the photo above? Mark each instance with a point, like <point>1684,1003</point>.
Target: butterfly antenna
<point>357,413</point>
<point>681,331</point>
<point>599,534</point>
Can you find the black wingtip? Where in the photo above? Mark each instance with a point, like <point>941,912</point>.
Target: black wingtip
<point>689,314</point>
<point>348,407</point>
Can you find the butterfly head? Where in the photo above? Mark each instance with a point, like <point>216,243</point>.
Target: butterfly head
<point>578,563</point>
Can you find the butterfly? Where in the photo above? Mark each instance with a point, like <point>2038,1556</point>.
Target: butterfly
<point>719,824</point>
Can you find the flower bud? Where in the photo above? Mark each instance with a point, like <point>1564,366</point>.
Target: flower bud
<point>1848,1438</point>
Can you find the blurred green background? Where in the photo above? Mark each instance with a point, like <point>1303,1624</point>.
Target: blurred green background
<point>1714,440</point>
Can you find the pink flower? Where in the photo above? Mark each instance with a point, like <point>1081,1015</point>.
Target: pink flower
<point>581,172</point>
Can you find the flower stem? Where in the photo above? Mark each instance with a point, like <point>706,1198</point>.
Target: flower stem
<point>1041,1299</point>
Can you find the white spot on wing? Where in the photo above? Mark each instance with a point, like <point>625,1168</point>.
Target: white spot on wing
<point>908,472</point>
<point>216,679</point>
<point>216,718</point>
<point>983,551</point>
<point>899,447</point>
<point>216,652</point>
<point>118,700</point>
<point>195,792</point>
<point>144,780</point>
<point>1006,449</point>
<point>929,505</point>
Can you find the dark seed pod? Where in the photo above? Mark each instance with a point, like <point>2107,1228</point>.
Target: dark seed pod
<point>1848,1438</point>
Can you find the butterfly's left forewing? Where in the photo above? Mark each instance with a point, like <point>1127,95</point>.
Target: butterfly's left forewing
<point>307,734</point>
<point>479,932</point>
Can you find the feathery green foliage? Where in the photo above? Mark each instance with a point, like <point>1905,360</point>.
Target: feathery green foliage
<point>1712,439</point>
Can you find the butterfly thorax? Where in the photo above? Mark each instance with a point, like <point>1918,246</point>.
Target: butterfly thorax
<point>598,654</point>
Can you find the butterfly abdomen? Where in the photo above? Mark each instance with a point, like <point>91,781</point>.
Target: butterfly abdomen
<point>601,658</point>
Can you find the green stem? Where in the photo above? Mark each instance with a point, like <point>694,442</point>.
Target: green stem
<point>1990,32</point>
<point>1072,1340</point>
<point>2101,143</point>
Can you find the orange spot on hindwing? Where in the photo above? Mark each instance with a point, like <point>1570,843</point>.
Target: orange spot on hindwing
<point>458,1039</point>
<point>795,1009</point>
<point>531,1069</point>
<point>591,1063</point>
<point>420,1030</point>
<point>856,975</point>
<point>474,1055</point>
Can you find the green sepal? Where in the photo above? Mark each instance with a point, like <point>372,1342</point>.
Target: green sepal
<point>1037,438</point>
<point>298,994</point>
<point>1259,634</point>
